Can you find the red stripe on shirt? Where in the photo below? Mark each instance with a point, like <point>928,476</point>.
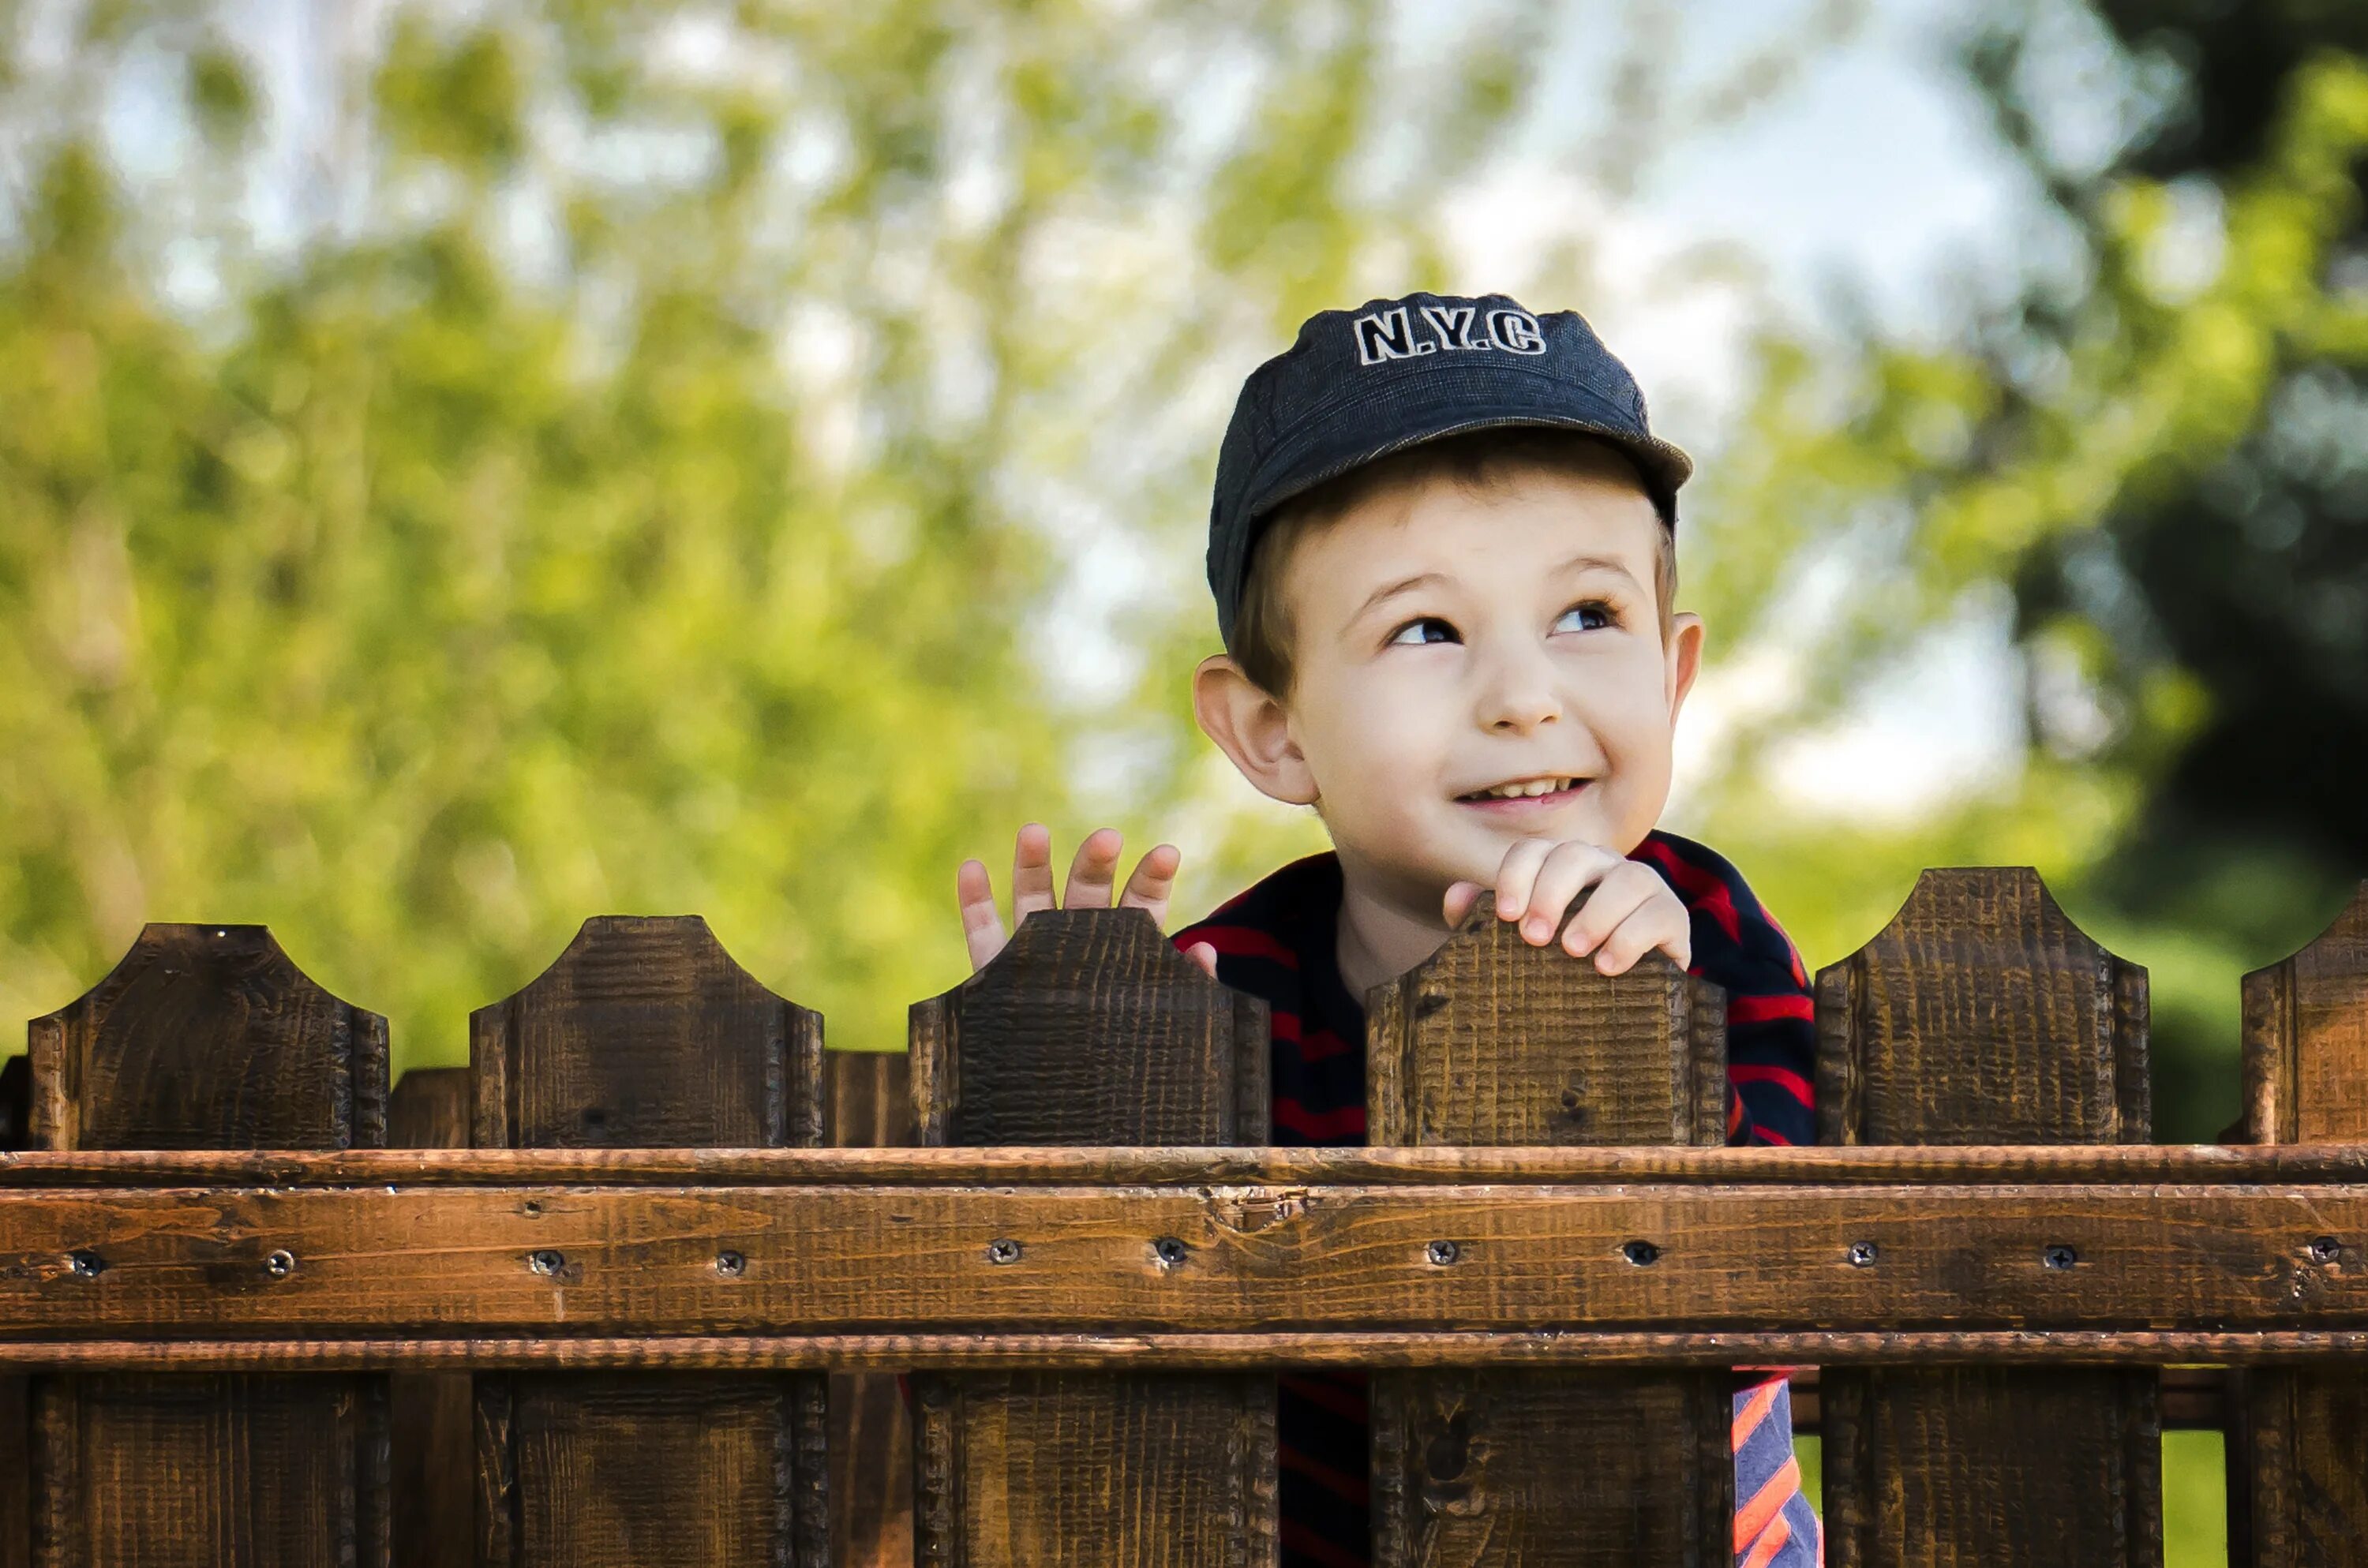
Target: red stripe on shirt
<point>1345,1121</point>
<point>1241,942</point>
<point>1760,1009</point>
<point>1785,1078</point>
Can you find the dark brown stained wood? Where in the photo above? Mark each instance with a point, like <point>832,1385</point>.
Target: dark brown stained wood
<point>870,1106</point>
<point>1089,1028</point>
<point>458,1261</point>
<point>2195,1164</point>
<point>644,1032</point>
<point>2298,1463</point>
<point>209,1036</point>
<point>1982,1014</point>
<point>16,1394</point>
<point>1494,1041</point>
<point>429,1414</point>
<point>1124,1468</point>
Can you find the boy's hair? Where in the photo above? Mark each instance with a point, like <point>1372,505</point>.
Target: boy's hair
<point>1480,461</point>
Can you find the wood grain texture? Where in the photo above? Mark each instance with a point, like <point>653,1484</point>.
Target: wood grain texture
<point>1494,1041</point>
<point>16,1392</point>
<point>209,1036</point>
<point>430,1417</point>
<point>869,1105</point>
<point>2212,1165</point>
<point>2298,1473</point>
<point>645,1032</point>
<point>459,1261</point>
<point>1982,1014</point>
<point>1090,1029</point>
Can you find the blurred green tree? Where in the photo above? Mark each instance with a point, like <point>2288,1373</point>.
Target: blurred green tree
<point>2143,457</point>
<point>465,468</point>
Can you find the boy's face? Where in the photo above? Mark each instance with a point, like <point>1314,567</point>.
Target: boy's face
<point>1475,669</point>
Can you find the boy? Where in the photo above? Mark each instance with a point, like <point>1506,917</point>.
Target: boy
<point>1443,550</point>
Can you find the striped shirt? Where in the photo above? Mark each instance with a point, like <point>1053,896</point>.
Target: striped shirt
<point>1276,941</point>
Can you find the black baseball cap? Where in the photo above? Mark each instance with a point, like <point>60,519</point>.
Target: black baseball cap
<point>1391,373</point>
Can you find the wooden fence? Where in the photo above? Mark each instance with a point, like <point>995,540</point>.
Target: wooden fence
<point>631,1288</point>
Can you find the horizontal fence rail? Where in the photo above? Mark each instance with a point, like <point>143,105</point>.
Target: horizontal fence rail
<point>655,1280</point>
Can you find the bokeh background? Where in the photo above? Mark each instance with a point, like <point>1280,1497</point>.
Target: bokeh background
<point>468,467</point>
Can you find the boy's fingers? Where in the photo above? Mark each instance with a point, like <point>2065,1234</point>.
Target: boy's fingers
<point>1624,890</point>
<point>1569,870</point>
<point>1648,928</point>
<point>1032,872</point>
<point>982,929</point>
<point>1094,871</point>
<point>1154,879</point>
<point>1518,874</point>
<point>1460,897</point>
<point>1204,955</point>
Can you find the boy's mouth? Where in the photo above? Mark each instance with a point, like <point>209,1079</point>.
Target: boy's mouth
<point>1547,791</point>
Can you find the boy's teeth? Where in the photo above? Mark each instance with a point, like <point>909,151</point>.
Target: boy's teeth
<point>1535,787</point>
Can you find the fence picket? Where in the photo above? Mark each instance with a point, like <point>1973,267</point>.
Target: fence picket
<point>2298,1470</point>
<point>645,1033</point>
<point>1982,1014</point>
<point>1493,1041</point>
<point>431,1413</point>
<point>871,1106</point>
<point>1090,1029</point>
<point>207,1037</point>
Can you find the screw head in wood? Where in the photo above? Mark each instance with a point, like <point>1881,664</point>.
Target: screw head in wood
<point>544,1260</point>
<point>1445,1253</point>
<point>2060,1256</point>
<point>1644,1255</point>
<point>1171,1251</point>
<point>1003,1249</point>
<point>2325,1249</point>
<point>85,1264</point>
<point>1862,1254</point>
<point>280,1264</point>
<point>730,1264</point>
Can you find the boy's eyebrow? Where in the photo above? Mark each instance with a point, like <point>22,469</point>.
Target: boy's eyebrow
<point>1392,590</point>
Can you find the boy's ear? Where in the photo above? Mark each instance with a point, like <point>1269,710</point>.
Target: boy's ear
<point>1253,729</point>
<point>1685,650</point>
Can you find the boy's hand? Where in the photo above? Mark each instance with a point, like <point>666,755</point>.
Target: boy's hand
<point>1630,911</point>
<point>1091,876</point>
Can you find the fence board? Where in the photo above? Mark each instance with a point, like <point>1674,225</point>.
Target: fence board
<point>869,1106</point>
<point>2298,1467</point>
<point>209,1036</point>
<point>431,1413</point>
<point>645,1031</point>
<point>16,1392</point>
<point>1494,1041</point>
<point>1089,1028</point>
<point>1982,1014</point>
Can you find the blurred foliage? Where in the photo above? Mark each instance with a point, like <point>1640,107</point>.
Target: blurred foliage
<point>464,467</point>
<point>2147,459</point>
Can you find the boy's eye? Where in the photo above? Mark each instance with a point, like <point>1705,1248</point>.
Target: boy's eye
<point>1425,629</point>
<point>1589,617</point>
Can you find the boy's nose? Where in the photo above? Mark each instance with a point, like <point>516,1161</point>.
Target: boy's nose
<point>1518,698</point>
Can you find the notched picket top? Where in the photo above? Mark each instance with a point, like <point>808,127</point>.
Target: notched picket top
<point>1091,1027</point>
<point>207,1037</point>
<point>1491,1040</point>
<point>645,1033</point>
<point>1981,1013</point>
<point>2306,1038</point>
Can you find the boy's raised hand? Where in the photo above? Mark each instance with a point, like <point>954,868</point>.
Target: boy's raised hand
<point>1092,875</point>
<point>1629,912</point>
